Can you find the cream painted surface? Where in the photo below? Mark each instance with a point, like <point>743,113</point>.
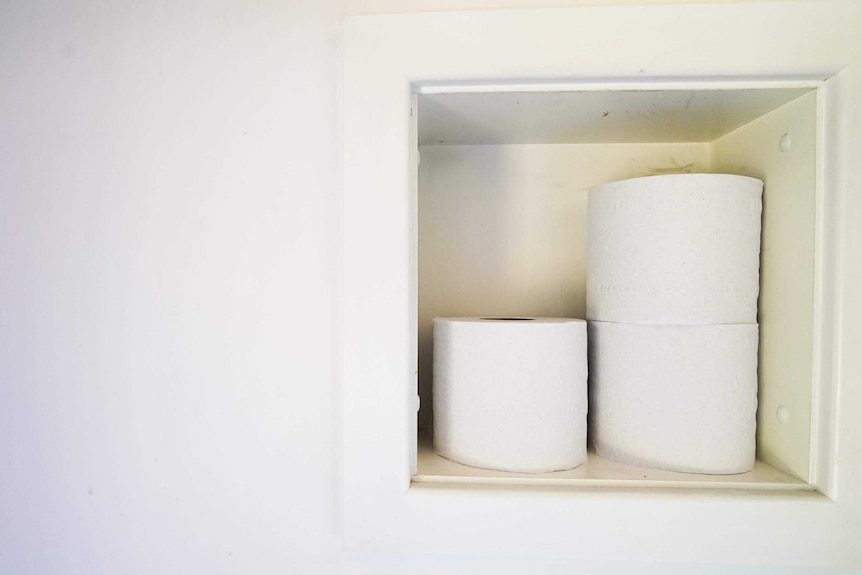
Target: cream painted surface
<point>359,7</point>
<point>502,229</point>
<point>843,265</point>
<point>383,55</point>
<point>170,231</point>
<point>592,116</point>
<point>502,233</point>
<point>786,303</point>
<point>600,472</point>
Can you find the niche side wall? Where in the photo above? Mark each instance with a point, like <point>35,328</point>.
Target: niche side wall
<point>786,303</point>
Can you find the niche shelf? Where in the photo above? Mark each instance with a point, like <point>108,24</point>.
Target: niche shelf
<point>600,472</point>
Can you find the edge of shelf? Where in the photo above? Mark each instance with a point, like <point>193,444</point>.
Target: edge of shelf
<point>600,472</point>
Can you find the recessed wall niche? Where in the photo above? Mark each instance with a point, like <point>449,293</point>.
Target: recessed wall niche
<point>503,184</point>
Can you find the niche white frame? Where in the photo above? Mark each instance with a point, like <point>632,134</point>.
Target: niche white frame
<point>387,59</point>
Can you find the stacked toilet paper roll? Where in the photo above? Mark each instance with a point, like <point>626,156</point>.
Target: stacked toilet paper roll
<point>674,249</point>
<point>511,393</point>
<point>672,287</point>
<point>680,397</point>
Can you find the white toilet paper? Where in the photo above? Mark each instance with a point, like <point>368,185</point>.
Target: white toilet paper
<point>511,394</point>
<point>682,398</point>
<point>674,249</point>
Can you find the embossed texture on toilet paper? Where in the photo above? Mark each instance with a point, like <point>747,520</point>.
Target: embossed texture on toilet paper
<point>674,249</point>
<point>511,394</point>
<point>677,397</point>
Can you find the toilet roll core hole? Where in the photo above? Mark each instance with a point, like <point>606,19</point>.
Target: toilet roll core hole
<point>508,318</point>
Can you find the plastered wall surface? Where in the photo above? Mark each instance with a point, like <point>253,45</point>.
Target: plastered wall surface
<point>169,292</point>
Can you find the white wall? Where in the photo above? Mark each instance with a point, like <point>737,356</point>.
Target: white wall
<point>169,263</point>
<point>168,231</point>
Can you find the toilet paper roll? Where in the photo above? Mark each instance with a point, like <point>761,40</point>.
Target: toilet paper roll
<point>511,393</point>
<point>682,398</point>
<point>674,249</point>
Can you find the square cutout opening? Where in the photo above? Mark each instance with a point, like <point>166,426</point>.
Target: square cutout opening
<point>503,181</point>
